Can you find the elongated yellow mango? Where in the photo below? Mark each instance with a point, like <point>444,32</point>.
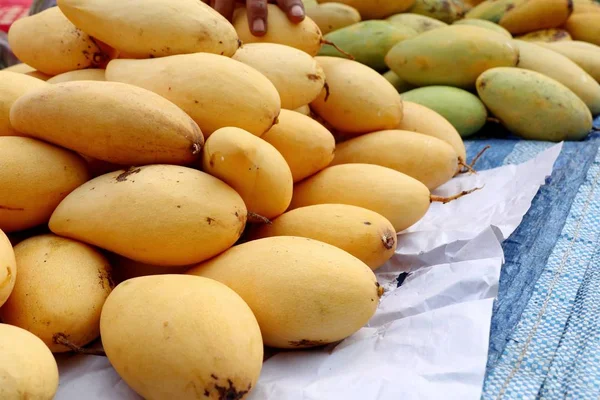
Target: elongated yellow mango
<point>330,17</point>
<point>92,74</point>
<point>396,196</point>
<point>8,271</point>
<point>50,43</point>
<point>12,86</point>
<point>425,158</point>
<point>305,36</point>
<point>533,105</point>
<point>124,124</point>
<point>306,145</point>
<point>304,293</point>
<point>454,55</point>
<point>546,35</point>
<point>215,91</point>
<point>297,77</point>
<point>482,23</point>
<point>585,27</point>
<point>165,215</point>
<point>363,233</point>
<point>154,28</point>
<point>253,167</point>
<point>418,118</point>
<point>532,15</point>
<point>376,9</point>
<point>586,55</point>
<point>359,100</point>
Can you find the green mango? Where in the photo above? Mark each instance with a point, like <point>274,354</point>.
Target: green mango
<point>485,24</point>
<point>462,109</point>
<point>400,84</point>
<point>491,10</point>
<point>443,10</point>
<point>368,42</point>
<point>454,55</point>
<point>420,23</point>
<point>534,106</point>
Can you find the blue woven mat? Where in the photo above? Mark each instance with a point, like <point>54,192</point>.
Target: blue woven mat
<point>545,337</point>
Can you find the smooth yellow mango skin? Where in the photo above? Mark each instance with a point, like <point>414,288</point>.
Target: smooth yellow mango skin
<point>546,35</point>
<point>306,145</point>
<point>92,74</point>
<point>8,268</point>
<point>154,28</point>
<point>182,337</point>
<point>533,106</point>
<point>454,56</point>
<point>12,86</point>
<point>363,233</point>
<point>28,366</point>
<point>396,196</point>
<point>585,7</point>
<point>420,23</point>
<point>376,9</point>
<point>330,17</point>
<point>584,27</point>
<point>556,66</point>
<point>443,10</point>
<point>532,15</point>
<point>360,100</point>
<point>586,55</point>
<point>418,118</point>
<point>482,23</point>
<point>251,166</point>
<point>303,292</point>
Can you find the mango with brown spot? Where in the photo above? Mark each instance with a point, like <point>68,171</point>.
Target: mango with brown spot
<point>443,10</point>
<point>546,35</point>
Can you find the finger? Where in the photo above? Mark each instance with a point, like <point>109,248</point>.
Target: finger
<point>293,8</point>
<point>225,8</point>
<point>257,16</point>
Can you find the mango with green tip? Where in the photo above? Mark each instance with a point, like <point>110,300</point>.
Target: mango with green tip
<point>534,106</point>
<point>444,10</point>
<point>330,17</point>
<point>400,84</point>
<point>374,9</point>
<point>484,24</point>
<point>420,23</point>
<point>453,55</point>
<point>546,35</point>
<point>461,108</point>
<point>368,42</point>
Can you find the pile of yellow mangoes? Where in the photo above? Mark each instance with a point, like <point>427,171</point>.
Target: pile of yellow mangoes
<point>531,65</point>
<point>173,185</point>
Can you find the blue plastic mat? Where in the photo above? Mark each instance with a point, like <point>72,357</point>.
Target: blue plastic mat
<point>544,339</point>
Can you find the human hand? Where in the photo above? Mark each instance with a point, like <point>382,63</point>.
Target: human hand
<point>258,13</point>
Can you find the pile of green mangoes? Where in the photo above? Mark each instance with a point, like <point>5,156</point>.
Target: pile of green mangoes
<point>531,65</point>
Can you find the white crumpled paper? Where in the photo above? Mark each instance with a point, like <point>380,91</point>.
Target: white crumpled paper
<point>428,339</point>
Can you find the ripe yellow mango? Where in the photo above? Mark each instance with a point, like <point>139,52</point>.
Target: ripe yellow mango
<point>454,55</point>
<point>532,15</point>
<point>200,216</point>
<point>585,7</point>
<point>28,367</point>
<point>215,91</point>
<point>398,197</point>
<point>584,27</point>
<point>12,86</point>
<point>443,10</point>
<point>50,43</point>
<point>359,99</point>
<point>8,271</point>
<point>305,36</point>
<point>546,35</point>
<point>124,124</point>
<point>91,74</point>
<point>375,9</point>
<point>363,233</point>
<point>297,77</point>
<point>418,118</point>
<point>420,23</point>
<point>482,23</point>
<point>533,105</point>
<point>154,28</point>
<point>425,158</point>
<point>306,145</point>
<point>35,177</point>
<point>253,167</point>
<point>60,290</point>
<point>190,337</point>
<point>586,55</point>
<point>556,66</point>
<point>303,292</point>
<point>330,17</point>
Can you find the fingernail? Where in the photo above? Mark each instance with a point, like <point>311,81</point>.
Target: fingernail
<point>258,25</point>
<point>297,11</point>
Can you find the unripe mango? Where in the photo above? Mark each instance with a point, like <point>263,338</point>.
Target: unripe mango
<point>533,105</point>
<point>8,271</point>
<point>556,66</point>
<point>376,9</point>
<point>359,99</point>
<point>420,23</point>
<point>303,292</point>
<point>546,35</point>
<point>454,55</point>
<point>484,24</point>
<point>444,10</point>
<point>12,86</point>
<point>463,109</point>
<point>400,84</point>
<point>90,74</point>
<point>585,27</point>
<point>368,42</point>
<point>330,17</point>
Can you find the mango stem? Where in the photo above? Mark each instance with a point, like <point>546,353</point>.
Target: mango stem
<point>465,167</point>
<point>350,56</point>
<point>258,219</point>
<point>61,338</point>
<point>478,156</point>
<point>444,200</point>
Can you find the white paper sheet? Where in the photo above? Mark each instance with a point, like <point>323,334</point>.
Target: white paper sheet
<point>428,339</point>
